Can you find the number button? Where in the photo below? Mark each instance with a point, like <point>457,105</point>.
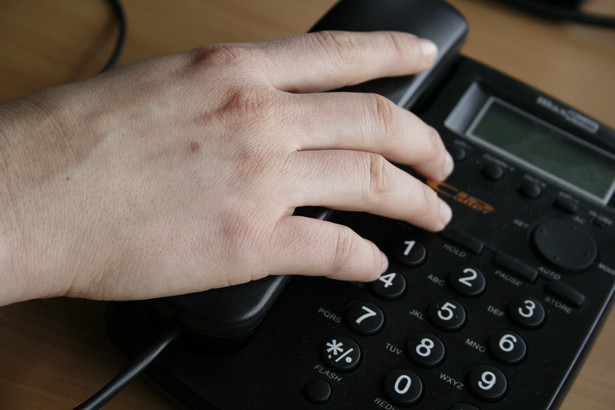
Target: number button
<point>425,349</point>
<point>468,282</point>
<point>341,353</point>
<point>447,314</point>
<point>408,251</point>
<point>487,383</point>
<point>507,346</point>
<point>403,387</point>
<point>526,312</point>
<point>390,286</point>
<point>365,318</point>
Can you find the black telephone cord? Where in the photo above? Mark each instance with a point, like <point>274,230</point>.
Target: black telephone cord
<point>132,370</point>
<point>121,36</point>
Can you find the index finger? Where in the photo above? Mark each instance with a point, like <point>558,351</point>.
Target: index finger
<point>331,59</point>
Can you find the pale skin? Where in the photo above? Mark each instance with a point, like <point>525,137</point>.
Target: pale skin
<point>182,173</point>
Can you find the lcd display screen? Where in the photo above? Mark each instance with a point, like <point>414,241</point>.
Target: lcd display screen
<point>545,149</point>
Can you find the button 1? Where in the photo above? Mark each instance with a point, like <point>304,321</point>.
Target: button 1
<point>317,391</point>
<point>468,282</point>
<point>425,349</point>
<point>530,189</point>
<point>403,387</point>
<point>341,353</point>
<point>493,171</point>
<point>565,244</point>
<point>567,293</point>
<point>487,382</point>
<point>507,346</point>
<point>390,286</point>
<point>516,267</point>
<point>526,312</point>
<point>447,314</point>
<point>365,318</point>
<point>407,250</point>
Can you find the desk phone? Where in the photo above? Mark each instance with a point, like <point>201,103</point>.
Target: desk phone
<point>495,312</point>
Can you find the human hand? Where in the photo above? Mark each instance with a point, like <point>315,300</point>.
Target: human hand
<point>181,173</point>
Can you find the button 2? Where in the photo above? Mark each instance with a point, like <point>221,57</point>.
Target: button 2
<point>469,282</point>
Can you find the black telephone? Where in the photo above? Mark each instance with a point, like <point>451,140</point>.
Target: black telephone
<point>495,312</point>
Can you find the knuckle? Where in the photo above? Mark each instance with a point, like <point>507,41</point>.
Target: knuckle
<point>343,47</point>
<point>378,175</point>
<point>249,103</point>
<point>383,113</point>
<point>344,250</point>
<point>225,55</point>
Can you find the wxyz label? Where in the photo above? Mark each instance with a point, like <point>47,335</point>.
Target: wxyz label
<point>453,382</point>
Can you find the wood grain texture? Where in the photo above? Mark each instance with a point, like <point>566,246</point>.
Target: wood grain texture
<point>55,353</point>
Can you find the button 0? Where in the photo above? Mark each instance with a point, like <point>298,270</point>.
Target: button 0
<point>565,244</point>
<point>403,386</point>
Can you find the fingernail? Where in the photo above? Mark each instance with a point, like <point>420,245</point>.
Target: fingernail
<point>449,164</point>
<point>446,213</point>
<point>429,48</point>
<point>385,264</point>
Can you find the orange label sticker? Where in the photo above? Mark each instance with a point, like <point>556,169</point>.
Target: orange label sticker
<point>460,196</point>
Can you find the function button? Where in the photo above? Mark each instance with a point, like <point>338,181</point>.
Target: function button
<point>403,387</point>
<point>487,382</point>
<point>390,286</point>
<point>493,171</point>
<point>341,353</point>
<point>425,349</point>
<point>516,267</point>
<point>468,242</point>
<point>565,244</point>
<point>407,250</point>
<point>463,406</point>
<point>530,189</point>
<point>468,282</point>
<point>567,293</point>
<point>507,346</point>
<point>458,153</point>
<point>447,314</point>
<point>566,205</point>
<point>526,312</point>
<point>317,391</point>
<point>365,318</point>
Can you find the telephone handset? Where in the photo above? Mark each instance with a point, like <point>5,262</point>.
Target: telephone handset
<point>495,312</point>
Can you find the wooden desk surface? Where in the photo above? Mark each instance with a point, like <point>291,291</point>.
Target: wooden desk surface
<point>55,353</point>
